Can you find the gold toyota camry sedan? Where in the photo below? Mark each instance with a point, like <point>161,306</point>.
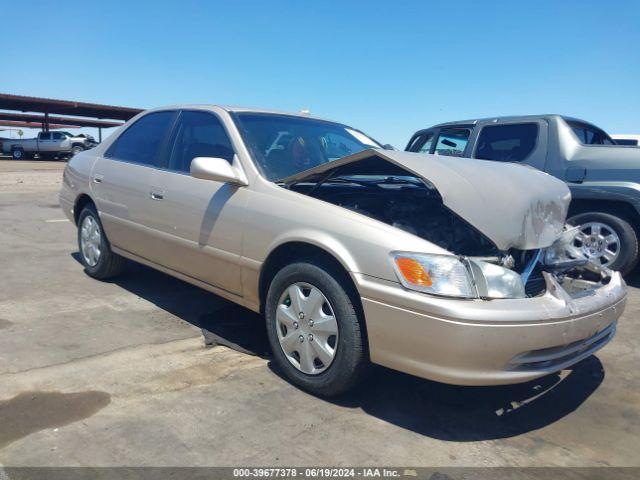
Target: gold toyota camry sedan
<point>456,270</point>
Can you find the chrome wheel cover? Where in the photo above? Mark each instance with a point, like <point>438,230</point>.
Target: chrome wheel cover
<point>90,241</point>
<point>599,242</point>
<point>307,328</point>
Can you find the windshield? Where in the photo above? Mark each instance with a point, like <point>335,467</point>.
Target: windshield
<point>283,145</point>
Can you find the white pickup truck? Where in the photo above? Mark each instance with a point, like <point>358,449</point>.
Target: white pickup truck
<point>46,145</point>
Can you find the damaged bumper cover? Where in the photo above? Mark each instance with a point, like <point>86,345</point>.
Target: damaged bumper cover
<point>480,342</point>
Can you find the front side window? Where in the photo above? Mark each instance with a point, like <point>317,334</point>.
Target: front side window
<point>283,145</point>
<point>413,143</point>
<point>199,134</point>
<point>507,143</point>
<point>140,143</point>
<point>452,141</point>
<point>589,134</point>
<point>58,136</point>
<point>427,141</point>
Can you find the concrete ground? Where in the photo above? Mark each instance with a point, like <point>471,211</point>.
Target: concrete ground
<point>116,373</point>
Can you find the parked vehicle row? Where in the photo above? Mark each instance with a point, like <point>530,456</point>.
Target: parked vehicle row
<point>47,145</point>
<point>457,270</point>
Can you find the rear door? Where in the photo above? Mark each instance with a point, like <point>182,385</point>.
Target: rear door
<point>121,182</point>
<point>520,141</point>
<point>199,222</point>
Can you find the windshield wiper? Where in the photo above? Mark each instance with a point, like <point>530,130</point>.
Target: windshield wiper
<point>397,181</point>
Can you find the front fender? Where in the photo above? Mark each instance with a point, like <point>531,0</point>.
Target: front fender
<point>627,192</point>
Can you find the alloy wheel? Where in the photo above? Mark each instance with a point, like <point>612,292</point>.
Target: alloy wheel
<point>599,242</point>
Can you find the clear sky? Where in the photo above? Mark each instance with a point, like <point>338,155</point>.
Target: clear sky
<point>388,68</point>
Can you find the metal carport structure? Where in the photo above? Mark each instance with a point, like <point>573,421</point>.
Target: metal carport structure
<point>48,106</point>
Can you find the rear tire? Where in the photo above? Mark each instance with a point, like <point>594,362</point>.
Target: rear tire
<point>626,257</point>
<point>17,154</point>
<point>96,255</point>
<point>350,362</point>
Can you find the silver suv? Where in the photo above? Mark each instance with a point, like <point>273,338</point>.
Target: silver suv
<point>603,176</point>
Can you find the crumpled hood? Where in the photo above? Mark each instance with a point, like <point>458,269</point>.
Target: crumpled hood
<point>513,205</point>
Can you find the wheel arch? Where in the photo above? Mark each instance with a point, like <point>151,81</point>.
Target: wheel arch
<point>618,208</point>
<point>298,250</point>
<point>81,201</point>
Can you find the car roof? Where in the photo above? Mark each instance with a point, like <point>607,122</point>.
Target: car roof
<point>239,109</point>
<point>511,118</point>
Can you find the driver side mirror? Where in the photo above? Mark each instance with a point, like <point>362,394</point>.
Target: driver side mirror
<point>217,169</point>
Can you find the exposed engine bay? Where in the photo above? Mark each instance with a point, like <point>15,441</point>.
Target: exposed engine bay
<point>392,195</point>
<point>406,203</point>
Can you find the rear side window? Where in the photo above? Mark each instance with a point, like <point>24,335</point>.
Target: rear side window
<point>507,143</point>
<point>142,140</point>
<point>199,134</point>
<point>452,141</point>
<point>44,136</point>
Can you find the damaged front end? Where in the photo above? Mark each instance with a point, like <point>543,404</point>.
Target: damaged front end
<point>559,268</point>
<point>500,227</point>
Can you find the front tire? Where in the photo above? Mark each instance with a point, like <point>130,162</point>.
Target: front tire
<point>315,332</point>
<point>96,255</point>
<point>75,150</point>
<point>607,240</point>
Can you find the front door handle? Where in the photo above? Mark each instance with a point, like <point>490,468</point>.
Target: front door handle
<point>97,178</point>
<point>157,195</point>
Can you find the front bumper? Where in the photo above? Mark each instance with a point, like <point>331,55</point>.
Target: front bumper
<point>480,342</point>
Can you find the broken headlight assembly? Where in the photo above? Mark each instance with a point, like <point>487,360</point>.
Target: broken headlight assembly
<point>451,276</point>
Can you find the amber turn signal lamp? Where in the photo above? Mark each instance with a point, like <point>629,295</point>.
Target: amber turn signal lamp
<point>413,272</point>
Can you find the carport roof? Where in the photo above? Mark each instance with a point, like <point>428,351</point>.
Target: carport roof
<point>40,119</point>
<point>52,126</point>
<point>65,107</point>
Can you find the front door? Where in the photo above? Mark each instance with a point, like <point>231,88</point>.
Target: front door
<point>45,142</point>
<point>199,221</point>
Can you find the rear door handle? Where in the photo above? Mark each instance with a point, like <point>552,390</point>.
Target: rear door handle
<point>97,178</point>
<point>157,195</point>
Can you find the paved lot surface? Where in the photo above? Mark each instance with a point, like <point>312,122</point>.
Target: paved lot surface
<point>117,373</point>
